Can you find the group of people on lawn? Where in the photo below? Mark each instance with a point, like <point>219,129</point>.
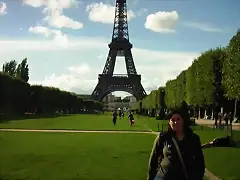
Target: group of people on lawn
<point>219,117</point>
<point>121,114</point>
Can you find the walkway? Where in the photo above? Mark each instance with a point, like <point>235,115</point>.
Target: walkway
<point>209,123</point>
<point>210,175</point>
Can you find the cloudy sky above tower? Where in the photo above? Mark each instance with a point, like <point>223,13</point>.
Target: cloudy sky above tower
<point>65,41</point>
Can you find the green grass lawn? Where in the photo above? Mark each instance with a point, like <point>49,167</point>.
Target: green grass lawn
<point>83,122</point>
<point>68,156</point>
<point>50,156</point>
<point>224,162</point>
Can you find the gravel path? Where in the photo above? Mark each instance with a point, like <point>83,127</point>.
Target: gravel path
<point>210,175</point>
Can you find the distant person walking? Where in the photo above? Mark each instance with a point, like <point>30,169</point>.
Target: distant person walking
<point>115,118</point>
<point>230,116</point>
<point>226,118</point>
<point>120,114</point>
<point>220,117</point>
<point>215,119</point>
<point>131,118</point>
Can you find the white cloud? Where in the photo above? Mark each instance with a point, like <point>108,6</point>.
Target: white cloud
<point>53,9</point>
<point>60,38</point>
<point>51,4</point>
<point>205,27</point>
<point>3,8</point>
<point>156,67</point>
<point>61,21</point>
<point>40,30</point>
<point>142,11</point>
<point>104,13</point>
<point>162,21</point>
<point>80,70</point>
<point>78,44</point>
<point>80,79</point>
<point>35,3</point>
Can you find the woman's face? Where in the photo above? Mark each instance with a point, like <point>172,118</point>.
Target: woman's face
<point>176,122</point>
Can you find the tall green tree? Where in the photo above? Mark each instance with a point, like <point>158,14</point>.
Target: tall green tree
<point>218,57</point>
<point>231,68</point>
<point>181,88</point>
<point>205,79</point>
<point>22,71</point>
<point>162,105</point>
<point>192,84</point>
<point>171,93</point>
<point>10,68</point>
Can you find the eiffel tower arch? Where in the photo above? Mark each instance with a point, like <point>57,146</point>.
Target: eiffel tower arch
<point>119,46</point>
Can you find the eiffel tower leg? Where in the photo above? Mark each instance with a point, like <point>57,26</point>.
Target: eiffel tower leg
<point>99,91</point>
<point>110,63</point>
<point>139,90</point>
<point>129,62</point>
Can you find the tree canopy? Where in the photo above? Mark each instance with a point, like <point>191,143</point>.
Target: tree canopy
<point>210,82</point>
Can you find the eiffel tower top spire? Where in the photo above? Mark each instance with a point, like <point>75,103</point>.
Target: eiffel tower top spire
<point>120,29</point>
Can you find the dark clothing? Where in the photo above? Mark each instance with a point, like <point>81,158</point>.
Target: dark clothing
<point>114,118</point>
<point>215,116</point>
<point>114,115</point>
<point>230,116</point>
<point>222,142</point>
<point>165,161</point>
<point>131,117</point>
<point>114,121</point>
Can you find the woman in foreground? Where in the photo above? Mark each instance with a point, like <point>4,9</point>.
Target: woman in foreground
<point>177,154</point>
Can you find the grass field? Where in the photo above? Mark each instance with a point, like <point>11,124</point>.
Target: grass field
<point>224,162</point>
<point>34,155</point>
<point>50,156</point>
<point>83,122</point>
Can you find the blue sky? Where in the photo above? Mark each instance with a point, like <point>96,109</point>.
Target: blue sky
<point>65,41</point>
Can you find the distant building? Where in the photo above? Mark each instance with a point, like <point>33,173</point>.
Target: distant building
<point>133,100</point>
<point>109,98</point>
<point>114,102</point>
<point>117,99</point>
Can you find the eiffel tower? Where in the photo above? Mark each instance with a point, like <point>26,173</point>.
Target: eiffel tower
<point>119,46</point>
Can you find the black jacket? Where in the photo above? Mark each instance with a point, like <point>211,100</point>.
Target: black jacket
<point>165,161</point>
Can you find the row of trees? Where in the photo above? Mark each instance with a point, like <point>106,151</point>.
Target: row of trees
<point>211,83</point>
<point>20,70</point>
<point>18,97</point>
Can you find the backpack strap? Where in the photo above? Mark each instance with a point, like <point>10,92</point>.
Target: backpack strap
<point>180,157</point>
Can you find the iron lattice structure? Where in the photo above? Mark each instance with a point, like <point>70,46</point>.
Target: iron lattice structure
<point>119,46</point>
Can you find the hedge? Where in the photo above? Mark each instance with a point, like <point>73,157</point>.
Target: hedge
<point>18,97</point>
